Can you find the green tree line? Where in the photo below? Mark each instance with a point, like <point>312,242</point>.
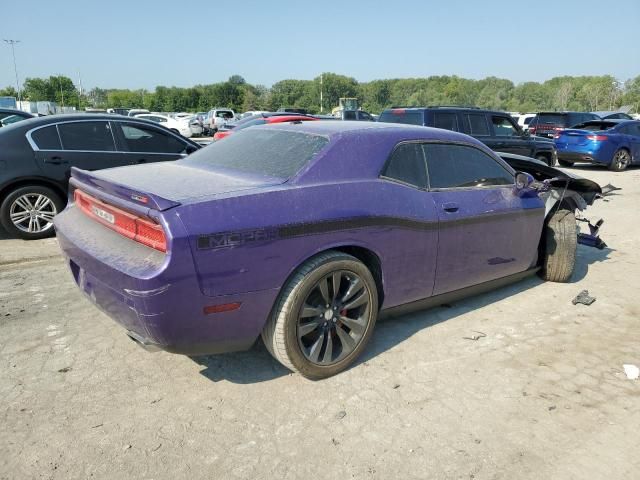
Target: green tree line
<point>584,93</point>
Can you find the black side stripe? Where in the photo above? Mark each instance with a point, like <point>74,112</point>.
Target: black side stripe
<point>293,230</point>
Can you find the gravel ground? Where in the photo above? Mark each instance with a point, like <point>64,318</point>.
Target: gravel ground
<point>542,395</point>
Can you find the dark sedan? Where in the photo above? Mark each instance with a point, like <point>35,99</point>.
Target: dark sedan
<point>11,115</point>
<point>36,157</point>
<point>305,232</point>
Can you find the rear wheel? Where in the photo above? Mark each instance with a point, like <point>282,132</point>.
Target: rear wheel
<point>545,159</point>
<point>621,160</point>
<point>565,163</point>
<point>324,316</point>
<point>560,241</point>
<point>28,212</point>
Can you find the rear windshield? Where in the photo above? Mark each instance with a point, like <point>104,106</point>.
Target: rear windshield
<point>402,116</point>
<point>551,118</point>
<point>594,126</point>
<point>267,152</point>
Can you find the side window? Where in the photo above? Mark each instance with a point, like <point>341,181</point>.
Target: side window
<point>47,138</point>
<point>446,120</point>
<point>365,116</point>
<point>453,166</point>
<point>477,123</point>
<point>138,138</point>
<point>88,136</point>
<point>502,127</point>
<point>406,164</point>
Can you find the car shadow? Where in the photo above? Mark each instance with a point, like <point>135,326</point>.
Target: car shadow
<point>585,256</point>
<point>257,365</point>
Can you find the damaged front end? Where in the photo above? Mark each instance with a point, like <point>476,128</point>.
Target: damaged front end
<point>558,188</point>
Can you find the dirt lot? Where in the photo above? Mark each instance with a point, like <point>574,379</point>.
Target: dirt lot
<point>543,395</point>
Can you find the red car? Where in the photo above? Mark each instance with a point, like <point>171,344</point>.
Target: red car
<point>262,120</point>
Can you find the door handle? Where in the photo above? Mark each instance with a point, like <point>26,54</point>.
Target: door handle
<point>450,207</point>
<point>55,160</point>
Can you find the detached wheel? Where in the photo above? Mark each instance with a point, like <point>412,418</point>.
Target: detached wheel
<point>565,163</point>
<point>324,316</point>
<point>28,212</point>
<point>560,240</point>
<point>621,160</point>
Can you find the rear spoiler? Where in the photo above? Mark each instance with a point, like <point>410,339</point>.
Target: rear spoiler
<point>93,184</point>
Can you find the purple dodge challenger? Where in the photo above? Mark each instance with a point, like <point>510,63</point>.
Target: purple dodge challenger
<point>306,233</point>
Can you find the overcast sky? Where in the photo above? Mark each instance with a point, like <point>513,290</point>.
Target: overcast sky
<point>144,43</point>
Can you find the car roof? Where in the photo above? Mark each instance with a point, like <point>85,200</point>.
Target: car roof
<point>14,111</point>
<point>372,129</point>
<point>448,107</point>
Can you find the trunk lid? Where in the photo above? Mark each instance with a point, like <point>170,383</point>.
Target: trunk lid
<point>165,185</point>
<point>572,137</point>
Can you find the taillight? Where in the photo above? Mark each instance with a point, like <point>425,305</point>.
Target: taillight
<point>142,230</point>
<point>532,130</point>
<point>556,135</point>
<point>597,138</point>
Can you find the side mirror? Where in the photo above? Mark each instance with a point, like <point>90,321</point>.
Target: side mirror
<point>526,134</point>
<point>523,181</point>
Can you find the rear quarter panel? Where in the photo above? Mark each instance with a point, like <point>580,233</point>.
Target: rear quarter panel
<point>254,242</point>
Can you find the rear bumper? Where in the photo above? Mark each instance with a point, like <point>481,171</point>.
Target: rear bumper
<point>581,157</point>
<point>157,300</point>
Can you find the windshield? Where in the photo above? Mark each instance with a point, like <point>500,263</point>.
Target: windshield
<point>267,152</point>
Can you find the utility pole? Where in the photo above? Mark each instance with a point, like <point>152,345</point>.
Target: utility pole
<point>320,93</point>
<point>15,68</point>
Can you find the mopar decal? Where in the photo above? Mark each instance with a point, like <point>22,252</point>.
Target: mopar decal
<point>235,239</point>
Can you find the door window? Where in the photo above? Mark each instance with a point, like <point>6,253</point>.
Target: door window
<point>47,138</point>
<point>456,166</point>
<point>477,124</point>
<point>138,138</point>
<point>502,127</point>
<point>406,165</point>
<point>86,136</point>
<point>446,120</point>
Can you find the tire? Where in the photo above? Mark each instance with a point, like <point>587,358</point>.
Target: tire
<point>24,199</point>
<point>620,161</point>
<point>560,241</point>
<point>565,163</point>
<point>545,159</point>
<point>325,337</point>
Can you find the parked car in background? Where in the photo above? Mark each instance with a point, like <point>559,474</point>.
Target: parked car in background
<point>119,111</point>
<point>357,115</point>
<point>495,129</point>
<point>206,254</point>
<point>180,126</point>
<point>134,112</point>
<point>612,143</point>
<point>301,111</point>
<point>613,115</point>
<point>546,124</point>
<point>524,119</point>
<point>263,120</point>
<point>37,156</point>
<point>251,113</point>
<point>218,117</point>
<point>10,115</point>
